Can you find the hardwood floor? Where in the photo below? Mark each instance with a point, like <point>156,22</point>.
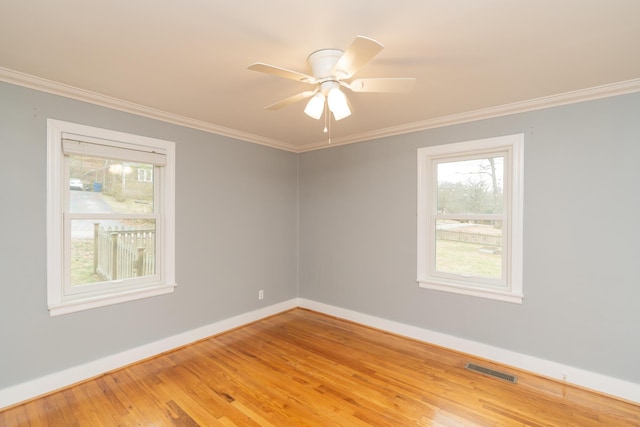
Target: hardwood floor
<point>305,368</point>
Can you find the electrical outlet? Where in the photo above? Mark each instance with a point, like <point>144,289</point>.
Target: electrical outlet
<point>260,294</point>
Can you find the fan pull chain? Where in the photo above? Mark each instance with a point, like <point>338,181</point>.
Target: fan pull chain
<point>325,118</point>
<point>327,122</point>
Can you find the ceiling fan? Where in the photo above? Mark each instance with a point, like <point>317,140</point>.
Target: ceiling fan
<point>332,68</point>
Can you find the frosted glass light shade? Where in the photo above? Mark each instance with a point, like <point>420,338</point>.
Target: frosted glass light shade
<point>338,103</point>
<point>315,106</point>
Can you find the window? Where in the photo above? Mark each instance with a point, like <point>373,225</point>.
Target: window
<point>110,235</point>
<point>470,217</point>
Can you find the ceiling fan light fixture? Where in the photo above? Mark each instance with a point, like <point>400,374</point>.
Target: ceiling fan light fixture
<point>330,69</point>
<point>315,106</point>
<point>338,103</point>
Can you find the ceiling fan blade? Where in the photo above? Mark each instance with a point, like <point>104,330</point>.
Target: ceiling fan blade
<point>282,72</point>
<point>388,85</point>
<point>361,51</point>
<point>290,100</point>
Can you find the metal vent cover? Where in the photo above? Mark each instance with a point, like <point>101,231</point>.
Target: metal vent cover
<point>493,373</point>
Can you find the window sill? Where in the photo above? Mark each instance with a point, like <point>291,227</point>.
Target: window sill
<point>497,295</point>
<point>87,303</point>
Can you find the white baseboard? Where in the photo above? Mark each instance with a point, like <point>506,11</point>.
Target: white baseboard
<point>580,377</point>
<point>39,386</point>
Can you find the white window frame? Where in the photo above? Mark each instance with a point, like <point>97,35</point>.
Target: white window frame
<point>511,289</point>
<point>60,299</point>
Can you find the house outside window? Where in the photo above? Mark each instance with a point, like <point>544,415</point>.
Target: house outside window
<point>110,236</point>
<point>470,218</point>
<point>145,173</point>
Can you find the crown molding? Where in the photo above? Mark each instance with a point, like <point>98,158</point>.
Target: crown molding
<point>604,91</point>
<point>44,85</point>
<point>55,88</point>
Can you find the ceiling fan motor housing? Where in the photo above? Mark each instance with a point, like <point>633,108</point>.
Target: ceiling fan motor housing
<point>322,63</point>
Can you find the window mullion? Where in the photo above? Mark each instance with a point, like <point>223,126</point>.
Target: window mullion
<point>107,216</point>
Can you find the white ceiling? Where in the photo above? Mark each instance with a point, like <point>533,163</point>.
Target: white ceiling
<point>186,61</point>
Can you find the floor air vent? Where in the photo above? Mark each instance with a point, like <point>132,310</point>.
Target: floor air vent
<point>497,374</point>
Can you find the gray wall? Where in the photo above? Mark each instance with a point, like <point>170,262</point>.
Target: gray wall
<point>581,236</point>
<point>236,210</point>
<point>237,232</point>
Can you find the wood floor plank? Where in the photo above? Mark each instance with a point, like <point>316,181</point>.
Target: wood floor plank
<point>301,368</point>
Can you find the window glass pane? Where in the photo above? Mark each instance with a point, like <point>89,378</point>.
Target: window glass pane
<point>472,186</point>
<point>469,248</point>
<point>105,250</point>
<point>100,185</point>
